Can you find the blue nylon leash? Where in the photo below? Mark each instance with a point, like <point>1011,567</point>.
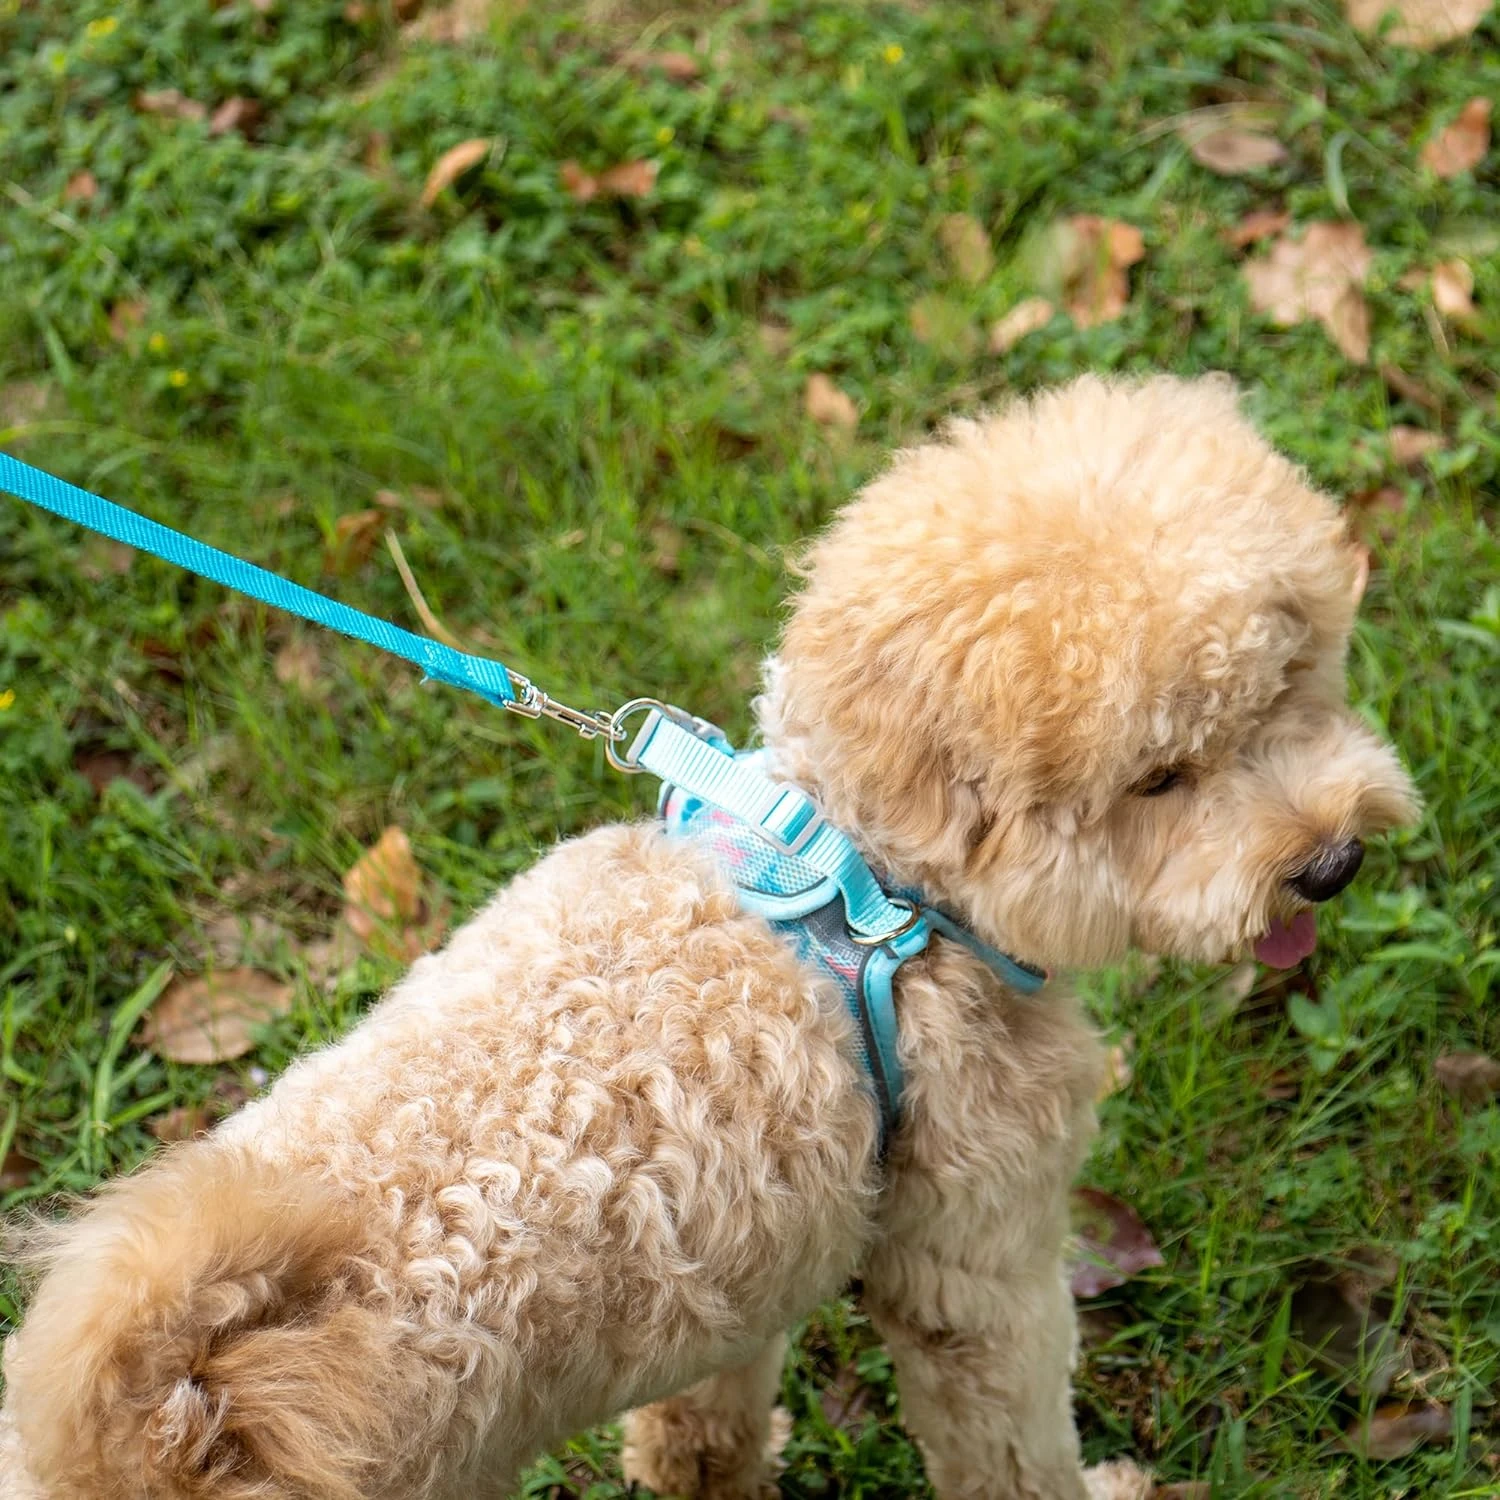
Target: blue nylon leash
<point>476,673</point>
<point>685,753</point>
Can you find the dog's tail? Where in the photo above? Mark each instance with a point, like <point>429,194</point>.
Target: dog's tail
<point>200,1332</point>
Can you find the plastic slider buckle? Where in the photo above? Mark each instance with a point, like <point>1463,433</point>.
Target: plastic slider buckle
<point>792,823</point>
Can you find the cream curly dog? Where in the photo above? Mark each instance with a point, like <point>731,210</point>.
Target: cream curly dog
<point>1076,671</point>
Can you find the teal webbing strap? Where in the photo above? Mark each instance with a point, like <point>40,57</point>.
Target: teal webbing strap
<point>478,674</point>
<point>783,814</point>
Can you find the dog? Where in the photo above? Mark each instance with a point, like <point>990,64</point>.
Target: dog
<point>1076,672</point>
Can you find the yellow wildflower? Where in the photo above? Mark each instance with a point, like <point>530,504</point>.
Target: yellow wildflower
<point>7,698</point>
<point>157,343</point>
<point>664,135</point>
<point>177,379</point>
<point>103,27</point>
<point>893,53</point>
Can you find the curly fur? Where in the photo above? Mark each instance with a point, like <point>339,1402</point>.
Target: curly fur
<point>604,1148</point>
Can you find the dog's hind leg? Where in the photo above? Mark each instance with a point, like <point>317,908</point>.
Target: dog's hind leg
<point>717,1441</point>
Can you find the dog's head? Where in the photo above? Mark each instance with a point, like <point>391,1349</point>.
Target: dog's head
<point>1078,670</point>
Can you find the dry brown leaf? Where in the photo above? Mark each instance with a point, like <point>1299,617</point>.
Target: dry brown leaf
<point>1114,1244</point>
<point>1410,445</point>
<point>104,558</point>
<point>299,664</point>
<point>1343,1321</point>
<point>184,1122</point>
<point>214,1017</point>
<point>1260,224</point>
<point>1232,153</point>
<point>1118,1068</point>
<point>1320,276</point>
<point>680,67</point>
<point>81,187</point>
<point>457,22</point>
<point>235,113</point>
<point>16,1171</point>
<point>452,165</point>
<point>172,104</point>
<point>630,179</point>
<point>827,405</point>
<point>1408,387</point>
<point>1026,317</point>
<point>1423,24</point>
<point>1462,146</point>
<point>102,768</point>
<point>1093,256</point>
<point>1395,1430</point>
<point>354,536</point>
<point>1374,511</point>
<point>1472,1076</point>
<point>125,317</point>
<point>383,902</point>
<point>967,247</point>
<point>1453,289</point>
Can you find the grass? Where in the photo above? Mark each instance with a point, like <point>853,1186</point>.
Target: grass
<point>588,417</point>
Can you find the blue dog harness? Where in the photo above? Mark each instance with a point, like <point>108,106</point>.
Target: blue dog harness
<point>808,904</point>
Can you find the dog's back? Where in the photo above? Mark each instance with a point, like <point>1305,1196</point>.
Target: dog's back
<point>565,1166</point>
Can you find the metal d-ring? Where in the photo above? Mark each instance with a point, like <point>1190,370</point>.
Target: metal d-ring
<point>895,932</point>
<point>616,731</point>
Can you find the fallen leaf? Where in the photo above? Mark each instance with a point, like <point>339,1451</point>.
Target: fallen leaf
<point>383,902</point>
<point>1472,1076</point>
<point>665,555</point>
<point>827,405</point>
<point>450,23</point>
<point>16,1171</point>
<point>845,1400</point>
<point>81,187</point>
<point>173,104</point>
<point>1375,510</point>
<point>1409,388</point>
<point>967,247</point>
<point>214,1017</point>
<point>775,339</point>
<point>1453,289</point>
<point>944,326</point>
<point>1423,24</point>
<point>1395,1430</point>
<point>231,939</point>
<point>1463,144</point>
<point>1118,1068</point>
<point>299,664</point>
<point>1321,276</point>
<point>125,317</point>
<point>630,179</point>
<point>1342,1321</point>
<point>184,1122</point>
<point>1232,153</point>
<point>680,67</point>
<point>354,536</point>
<point>452,165</point>
<point>1410,445</point>
<point>235,113</point>
<point>1113,1242</point>
<point>383,885</point>
<point>102,557</point>
<point>1026,317</point>
<point>1091,259</point>
<point>102,768</point>
<point>1259,224</point>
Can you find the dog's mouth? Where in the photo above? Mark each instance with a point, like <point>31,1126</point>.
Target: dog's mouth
<point>1285,944</point>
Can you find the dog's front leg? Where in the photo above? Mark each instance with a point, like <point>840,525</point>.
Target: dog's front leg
<point>715,1441</point>
<point>983,1362</point>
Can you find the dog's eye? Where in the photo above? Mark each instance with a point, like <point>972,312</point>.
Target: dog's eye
<point>1163,779</point>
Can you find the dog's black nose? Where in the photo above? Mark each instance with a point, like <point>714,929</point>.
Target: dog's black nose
<point>1329,870</point>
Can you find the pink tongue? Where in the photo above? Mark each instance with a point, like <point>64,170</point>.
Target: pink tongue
<point>1288,943</point>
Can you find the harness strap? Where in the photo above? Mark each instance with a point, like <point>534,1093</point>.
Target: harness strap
<point>783,815</point>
